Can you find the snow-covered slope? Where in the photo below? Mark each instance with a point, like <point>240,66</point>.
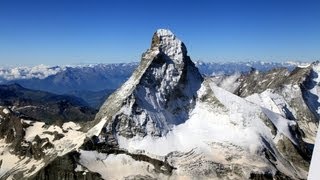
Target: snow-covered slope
<point>168,122</point>
<point>201,129</point>
<point>158,95</point>
<point>294,94</point>
<point>26,145</point>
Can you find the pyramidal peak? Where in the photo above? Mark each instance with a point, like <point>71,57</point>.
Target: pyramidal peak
<point>167,43</point>
<point>160,93</point>
<point>167,110</point>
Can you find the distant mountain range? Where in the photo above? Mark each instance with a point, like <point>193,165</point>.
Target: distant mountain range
<point>45,106</point>
<point>95,82</point>
<point>116,71</point>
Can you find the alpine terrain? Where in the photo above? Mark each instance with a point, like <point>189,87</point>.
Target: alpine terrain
<point>95,82</point>
<point>168,121</point>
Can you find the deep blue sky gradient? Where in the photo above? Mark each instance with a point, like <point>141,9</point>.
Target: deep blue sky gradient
<point>57,32</point>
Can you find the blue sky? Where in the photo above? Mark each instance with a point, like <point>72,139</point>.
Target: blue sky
<point>57,32</point>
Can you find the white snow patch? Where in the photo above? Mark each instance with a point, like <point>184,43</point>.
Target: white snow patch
<point>11,162</point>
<point>95,131</point>
<point>171,45</point>
<point>272,106</point>
<point>6,111</point>
<point>70,125</point>
<point>114,166</point>
<point>79,168</point>
<point>34,130</point>
<point>209,131</point>
<point>8,160</point>
<point>281,123</point>
<point>229,83</point>
<point>206,125</point>
<point>71,140</point>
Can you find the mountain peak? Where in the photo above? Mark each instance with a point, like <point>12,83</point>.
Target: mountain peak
<point>160,93</point>
<point>167,43</point>
<point>164,32</point>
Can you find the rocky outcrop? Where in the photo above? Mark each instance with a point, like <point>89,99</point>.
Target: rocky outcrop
<point>298,88</point>
<point>164,91</point>
<point>159,94</point>
<point>257,82</point>
<point>27,145</point>
<point>64,168</point>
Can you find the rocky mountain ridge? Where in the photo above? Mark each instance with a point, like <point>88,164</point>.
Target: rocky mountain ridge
<point>167,121</point>
<point>90,81</point>
<point>271,125</point>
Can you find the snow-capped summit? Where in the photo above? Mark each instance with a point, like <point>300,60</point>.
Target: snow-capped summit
<point>168,112</point>
<point>158,95</point>
<point>166,42</point>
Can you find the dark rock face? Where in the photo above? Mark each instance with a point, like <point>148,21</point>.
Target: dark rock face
<point>12,129</point>
<point>311,99</point>
<point>295,87</point>
<point>268,176</point>
<point>160,166</point>
<point>302,101</point>
<point>146,105</point>
<point>293,155</point>
<point>63,168</point>
<point>162,91</point>
<point>257,82</point>
<point>44,106</point>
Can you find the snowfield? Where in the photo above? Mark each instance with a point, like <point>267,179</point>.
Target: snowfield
<point>209,131</point>
<point>72,138</point>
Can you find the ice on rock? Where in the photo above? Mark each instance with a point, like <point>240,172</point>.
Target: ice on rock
<point>158,95</point>
<point>170,45</point>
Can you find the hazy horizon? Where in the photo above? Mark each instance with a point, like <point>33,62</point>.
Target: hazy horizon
<point>5,66</point>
